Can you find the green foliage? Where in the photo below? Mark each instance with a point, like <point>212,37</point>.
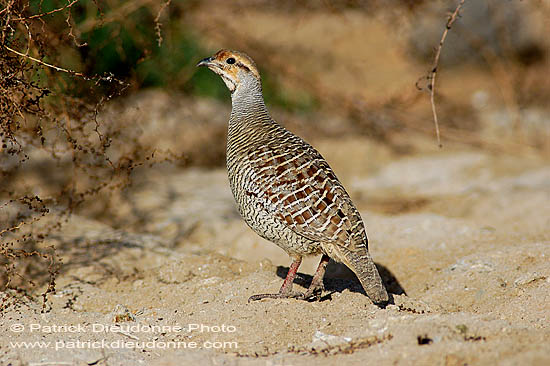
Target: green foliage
<point>122,47</point>
<point>206,83</point>
<point>127,47</point>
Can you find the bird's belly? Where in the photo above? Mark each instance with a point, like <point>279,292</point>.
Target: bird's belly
<point>265,224</point>
<point>261,216</point>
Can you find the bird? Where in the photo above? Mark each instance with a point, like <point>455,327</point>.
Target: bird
<point>285,190</point>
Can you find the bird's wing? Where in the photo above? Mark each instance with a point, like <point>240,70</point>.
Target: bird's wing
<point>304,193</point>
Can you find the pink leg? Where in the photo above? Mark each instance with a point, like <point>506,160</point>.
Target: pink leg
<point>290,276</point>
<point>286,288</point>
<point>317,286</point>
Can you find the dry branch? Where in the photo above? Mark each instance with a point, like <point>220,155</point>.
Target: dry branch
<point>433,73</point>
<point>158,24</point>
<point>56,68</point>
<point>47,13</point>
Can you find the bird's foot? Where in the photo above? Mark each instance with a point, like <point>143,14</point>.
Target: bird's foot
<point>314,292</point>
<point>279,295</point>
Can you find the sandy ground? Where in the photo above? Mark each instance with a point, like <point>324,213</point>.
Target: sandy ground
<point>460,236</point>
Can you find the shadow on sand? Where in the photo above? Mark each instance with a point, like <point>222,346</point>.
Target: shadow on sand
<point>339,278</point>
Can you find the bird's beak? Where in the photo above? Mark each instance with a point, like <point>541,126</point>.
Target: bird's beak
<point>205,62</point>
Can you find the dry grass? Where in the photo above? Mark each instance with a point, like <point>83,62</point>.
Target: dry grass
<point>55,149</point>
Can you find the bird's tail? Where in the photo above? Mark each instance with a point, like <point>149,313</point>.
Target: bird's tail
<point>360,262</point>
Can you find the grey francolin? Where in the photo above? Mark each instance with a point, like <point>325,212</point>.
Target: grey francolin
<point>285,190</point>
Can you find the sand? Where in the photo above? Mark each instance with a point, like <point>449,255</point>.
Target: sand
<point>460,237</point>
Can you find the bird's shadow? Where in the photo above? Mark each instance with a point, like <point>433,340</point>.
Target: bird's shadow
<point>338,278</point>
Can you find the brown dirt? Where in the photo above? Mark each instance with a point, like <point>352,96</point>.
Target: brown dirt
<point>460,237</point>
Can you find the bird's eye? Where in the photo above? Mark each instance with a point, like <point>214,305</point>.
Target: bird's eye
<point>230,60</point>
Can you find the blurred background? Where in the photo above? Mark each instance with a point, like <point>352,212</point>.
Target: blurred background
<point>97,94</point>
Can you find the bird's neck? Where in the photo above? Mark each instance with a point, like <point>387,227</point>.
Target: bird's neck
<point>248,96</point>
<point>250,122</point>
<point>248,107</point>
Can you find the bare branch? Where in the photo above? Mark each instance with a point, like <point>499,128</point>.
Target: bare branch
<point>48,13</point>
<point>158,24</point>
<point>57,68</point>
<point>433,73</point>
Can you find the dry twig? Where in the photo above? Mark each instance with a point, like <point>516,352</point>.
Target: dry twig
<point>158,24</point>
<point>433,73</point>
<point>47,13</point>
<point>57,68</point>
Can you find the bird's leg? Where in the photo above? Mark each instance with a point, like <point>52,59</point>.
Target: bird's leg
<point>286,288</point>
<point>317,287</point>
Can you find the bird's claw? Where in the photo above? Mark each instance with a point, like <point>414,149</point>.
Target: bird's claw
<point>279,295</point>
<point>313,293</point>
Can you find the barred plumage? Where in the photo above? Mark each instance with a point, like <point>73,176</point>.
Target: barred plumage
<point>285,190</point>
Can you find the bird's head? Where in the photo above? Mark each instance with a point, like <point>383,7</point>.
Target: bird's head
<point>234,67</point>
